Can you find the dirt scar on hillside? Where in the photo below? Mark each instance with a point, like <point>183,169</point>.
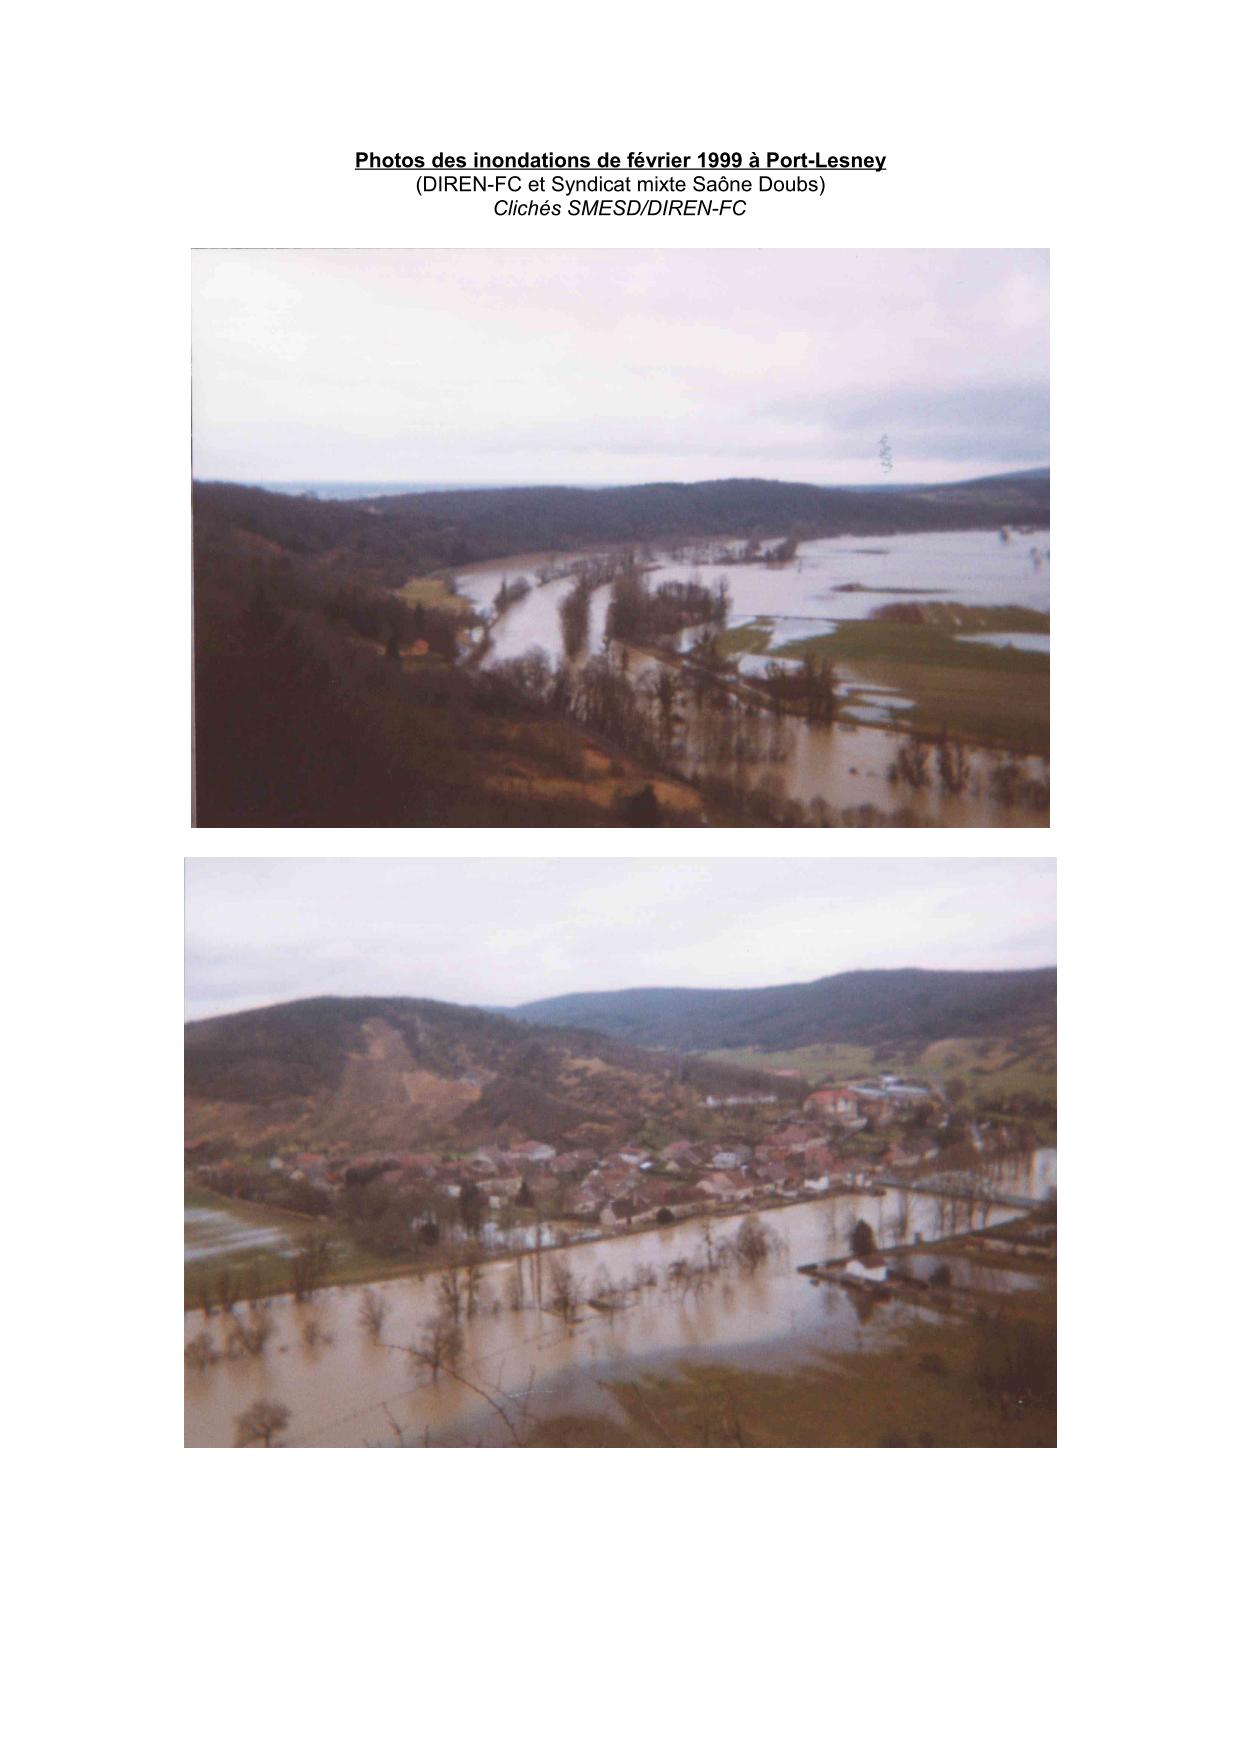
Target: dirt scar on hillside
<point>380,1085</point>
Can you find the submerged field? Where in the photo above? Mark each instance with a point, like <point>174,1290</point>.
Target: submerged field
<point>241,1249</point>
<point>663,1335</point>
<point>984,1382</point>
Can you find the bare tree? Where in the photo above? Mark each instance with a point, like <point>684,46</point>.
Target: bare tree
<point>565,1291</point>
<point>451,1294</point>
<point>473,1286</point>
<point>314,1334</point>
<point>441,1345</point>
<point>310,1267</point>
<point>252,1336</point>
<point>261,1423</point>
<point>754,1242</point>
<point>200,1352</point>
<point>374,1312</point>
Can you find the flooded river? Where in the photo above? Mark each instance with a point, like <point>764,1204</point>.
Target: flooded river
<point>343,1387</point>
<point>842,578</point>
<point>844,766</point>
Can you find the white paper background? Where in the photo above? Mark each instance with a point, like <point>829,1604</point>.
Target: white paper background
<point>323,1599</point>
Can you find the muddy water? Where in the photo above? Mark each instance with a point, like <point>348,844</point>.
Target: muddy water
<point>534,621</point>
<point>805,597</point>
<point>338,1384</point>
<point>844,765</point>
<point>958,566</point>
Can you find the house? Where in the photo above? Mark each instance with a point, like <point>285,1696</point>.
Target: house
<point>724,1184</point>
<point>533,1151</point>
<point>836,1104</point>
<point>569,1162</point>
<point>869,1269</point>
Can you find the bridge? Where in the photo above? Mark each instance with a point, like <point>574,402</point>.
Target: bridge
<point>969,1186</point>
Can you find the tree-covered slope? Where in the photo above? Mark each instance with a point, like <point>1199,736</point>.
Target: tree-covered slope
<point>874,1007</point>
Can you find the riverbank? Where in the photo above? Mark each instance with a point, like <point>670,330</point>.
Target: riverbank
<point>255,1273</point>
<point>265,1238</point>
<point>545,1337</point>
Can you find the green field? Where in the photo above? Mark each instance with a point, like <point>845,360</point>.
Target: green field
<point>754,636</point>
<point>990,1070</point>
<point>982,693</point>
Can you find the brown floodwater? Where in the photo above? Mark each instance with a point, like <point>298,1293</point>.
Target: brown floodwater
<point>843,765</point>
<point>343,1387</point>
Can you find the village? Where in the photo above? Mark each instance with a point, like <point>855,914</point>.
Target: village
<point>524,1193</point>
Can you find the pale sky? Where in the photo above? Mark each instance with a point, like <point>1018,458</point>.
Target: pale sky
<point>504,931</point>
<point>591,367</point>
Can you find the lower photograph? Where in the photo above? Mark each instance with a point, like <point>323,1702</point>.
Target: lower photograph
<point>611,1153</point>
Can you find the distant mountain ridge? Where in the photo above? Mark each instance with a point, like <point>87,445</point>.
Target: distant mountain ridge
<point>454,526</point>
<point>872,1007</point>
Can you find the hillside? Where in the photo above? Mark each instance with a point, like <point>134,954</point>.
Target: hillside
<point>875,1008</point>
<point>302,719</point>
<point>407,1073</point>
<point>336,681</point>
<point>393,535</point>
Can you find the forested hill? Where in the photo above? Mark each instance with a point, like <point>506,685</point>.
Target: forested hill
<point>386,1071</point>
<point>422,531</point>
<point>907,1008</point>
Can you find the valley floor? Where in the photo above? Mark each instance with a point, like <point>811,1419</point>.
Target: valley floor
<point>929,1387</point>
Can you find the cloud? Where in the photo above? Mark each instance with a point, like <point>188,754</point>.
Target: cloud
<point>500,931</point>
<point>1007,421</point>
<point>616,365</point>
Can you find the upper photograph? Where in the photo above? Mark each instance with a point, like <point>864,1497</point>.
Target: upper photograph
<point>621,538</point>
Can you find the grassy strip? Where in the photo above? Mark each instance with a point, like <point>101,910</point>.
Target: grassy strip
<point>755,636</point>
<point>979,618</point>
<point>434,593</point>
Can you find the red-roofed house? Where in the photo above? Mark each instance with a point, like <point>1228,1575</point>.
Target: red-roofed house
<point>840,1105</point>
